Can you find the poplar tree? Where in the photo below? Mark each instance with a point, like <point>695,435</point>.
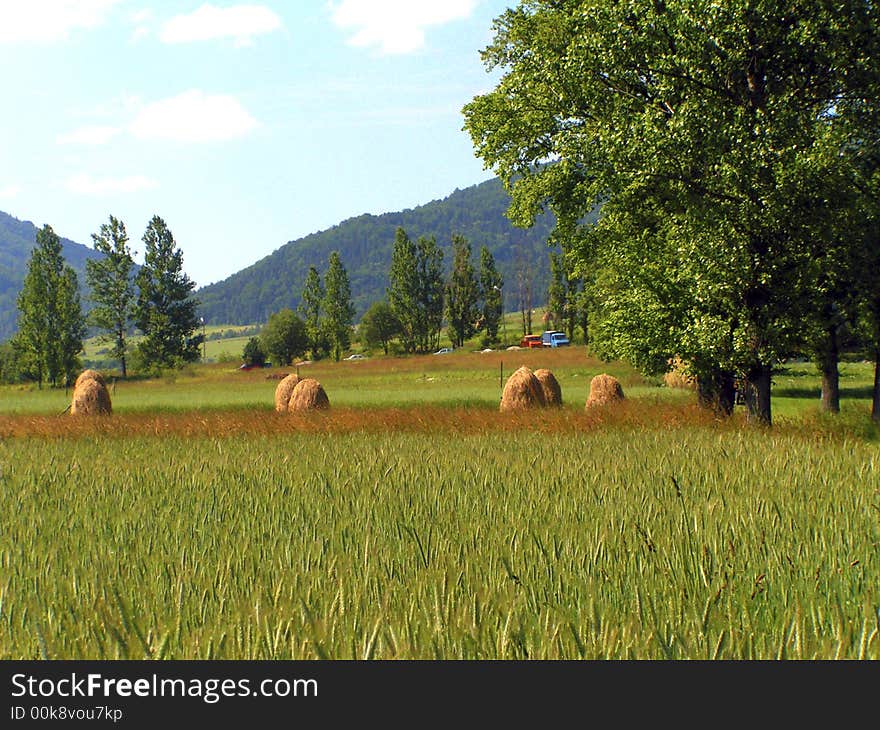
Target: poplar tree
<point>51,325</point>
<point>112,287</point>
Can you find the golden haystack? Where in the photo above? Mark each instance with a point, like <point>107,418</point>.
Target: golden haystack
<point>677,377</point>
<point>283,391</point>
<point>604,389</point>
<point>90,375</point>
<point>90,398</point>
<point>521,391</point>
<point>550,386</point>
<point>308,395</point>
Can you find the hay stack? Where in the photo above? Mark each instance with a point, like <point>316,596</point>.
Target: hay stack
<point>283,391</point>
<point>677,377</point>
<point>89,375</point>
<point>90,398</point>
<point>522,391</point>
<point>550,386</point>
<point>308,395</point>
<point>604,389</point>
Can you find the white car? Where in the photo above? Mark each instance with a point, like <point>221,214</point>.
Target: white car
<point>356,356</point>
<point>444,351</point>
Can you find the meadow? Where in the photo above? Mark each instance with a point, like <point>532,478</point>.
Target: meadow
<point>413,520</point>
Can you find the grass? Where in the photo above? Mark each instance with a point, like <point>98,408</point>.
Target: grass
<point>415,521</point>
<point>635,542</point>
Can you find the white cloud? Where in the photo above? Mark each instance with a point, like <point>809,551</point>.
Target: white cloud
<point>239,22</point>
<point>9,191</point>
<point>94,135</point>
<point>396,26</point>
<point>47,21</point>
<point>84,184</point>
<point>193,116</point>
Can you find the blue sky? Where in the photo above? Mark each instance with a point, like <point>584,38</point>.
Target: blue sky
<point>244,125</point>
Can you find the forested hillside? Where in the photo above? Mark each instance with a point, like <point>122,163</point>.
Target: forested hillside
<point>365,244</point>
<point>16,242</point>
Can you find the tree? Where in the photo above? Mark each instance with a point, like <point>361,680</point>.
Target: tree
<point>284,337</point>
<point>462,294</point>
<point>557,292</point>
<point>253,354</point>
<point>491,284</point>
<point>51,325</point>
<point>415,293</point>
<point>708,114</point>
<point>165,310</point>
<point>338,309</point>
<point>379,326</point>
<point>112,286</point>
<point>313,297</point>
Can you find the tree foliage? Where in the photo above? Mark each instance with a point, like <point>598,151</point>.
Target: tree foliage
<point>338,309</point>
<point>51,325</point>
<point>253,354</point>
<point>165,310</point>
<point>462,294</point>
<point>707,122</point>
<point>284,337</point>
<point>311,308</point>
<point>491,287</point>
<point>112,287</point>
<point>379,326</point>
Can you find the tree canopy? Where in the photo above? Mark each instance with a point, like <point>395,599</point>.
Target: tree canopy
<point>703,132</point>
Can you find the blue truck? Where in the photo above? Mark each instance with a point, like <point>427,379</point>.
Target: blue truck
<point>554,338</point>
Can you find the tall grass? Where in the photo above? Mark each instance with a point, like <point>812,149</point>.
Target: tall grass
<point>629,540</point>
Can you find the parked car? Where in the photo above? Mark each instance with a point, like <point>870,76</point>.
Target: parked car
<point>554,338</point>
<point>355,356</point>
<point>444,351</point>
<point>531,341</point>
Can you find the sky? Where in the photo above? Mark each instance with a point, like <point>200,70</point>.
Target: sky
<point>243,125</point>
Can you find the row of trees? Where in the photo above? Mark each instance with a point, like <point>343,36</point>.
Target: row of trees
<point>734,152</point>
<point>323,325</point>
<point>420,296</point>
<point>156,299</point>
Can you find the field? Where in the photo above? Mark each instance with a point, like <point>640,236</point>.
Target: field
<point>415,521</point>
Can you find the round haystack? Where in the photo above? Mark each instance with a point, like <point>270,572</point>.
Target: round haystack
<point>90,398</point>
<point>604,389</point>
<point>308,395</point>
<point>283,391</point>
<point>677,377</point>
<point>550,386</point>
<point>90,375</point>
<point>522,391</point>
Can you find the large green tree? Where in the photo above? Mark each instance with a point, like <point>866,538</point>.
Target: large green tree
<point>708,114</point>
<point>111,281</point>
<point>338,309</point>
<point>462,294</point>
<point>165,310</point>
<point>51,325</point>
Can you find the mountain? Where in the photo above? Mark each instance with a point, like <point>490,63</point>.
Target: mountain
<point>17,240</point>
<point>364,244</point>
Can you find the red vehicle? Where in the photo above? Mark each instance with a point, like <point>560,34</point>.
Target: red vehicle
<point>531,341</point>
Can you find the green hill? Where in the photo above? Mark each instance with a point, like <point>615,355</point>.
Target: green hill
<point>365,244</point>
<point>17,240</point>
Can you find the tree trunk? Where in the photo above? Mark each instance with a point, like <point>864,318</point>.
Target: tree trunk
<point>831,374</point>
<point>124,371</point>
<point>875,403</point>
<point>758,396</point>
